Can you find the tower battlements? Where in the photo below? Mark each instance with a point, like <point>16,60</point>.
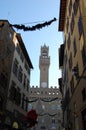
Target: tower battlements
<point>52,92</point>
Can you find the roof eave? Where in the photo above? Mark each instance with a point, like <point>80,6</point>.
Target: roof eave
<point>62,14</point>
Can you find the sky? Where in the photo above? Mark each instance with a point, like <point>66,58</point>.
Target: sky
<point>30,13</point>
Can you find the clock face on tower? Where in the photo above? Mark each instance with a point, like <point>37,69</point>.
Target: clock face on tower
<point>43,84</point>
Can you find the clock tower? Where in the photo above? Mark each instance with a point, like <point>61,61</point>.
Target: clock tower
<point>44,62</point>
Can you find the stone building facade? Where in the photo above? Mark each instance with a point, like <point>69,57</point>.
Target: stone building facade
<point>15,67</point>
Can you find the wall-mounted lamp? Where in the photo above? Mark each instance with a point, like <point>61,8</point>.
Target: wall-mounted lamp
<point>75,71</point>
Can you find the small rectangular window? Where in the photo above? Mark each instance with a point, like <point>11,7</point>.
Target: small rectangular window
<point>84,94</point>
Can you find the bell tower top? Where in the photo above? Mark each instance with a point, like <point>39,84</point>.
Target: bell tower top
<point>44,62</point>
<point>44,51</point>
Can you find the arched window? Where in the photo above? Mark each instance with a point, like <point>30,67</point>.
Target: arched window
<point>44,53</point>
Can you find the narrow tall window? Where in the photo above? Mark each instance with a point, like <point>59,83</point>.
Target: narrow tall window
<point>68,41</point>
<point>72,24</point>
<point>72,85</point>
<point>15,67</point>
<point>70,7</point>
<point>84,94</point>
<point>24,83</point>
<point>84,56</point>
<point>75,6</point>
<point>70,61</point>
<point>74,46</point>
<point>80,26</point>
<point>28,83</point>
<point>20,74</point>
<point>18,48</point>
